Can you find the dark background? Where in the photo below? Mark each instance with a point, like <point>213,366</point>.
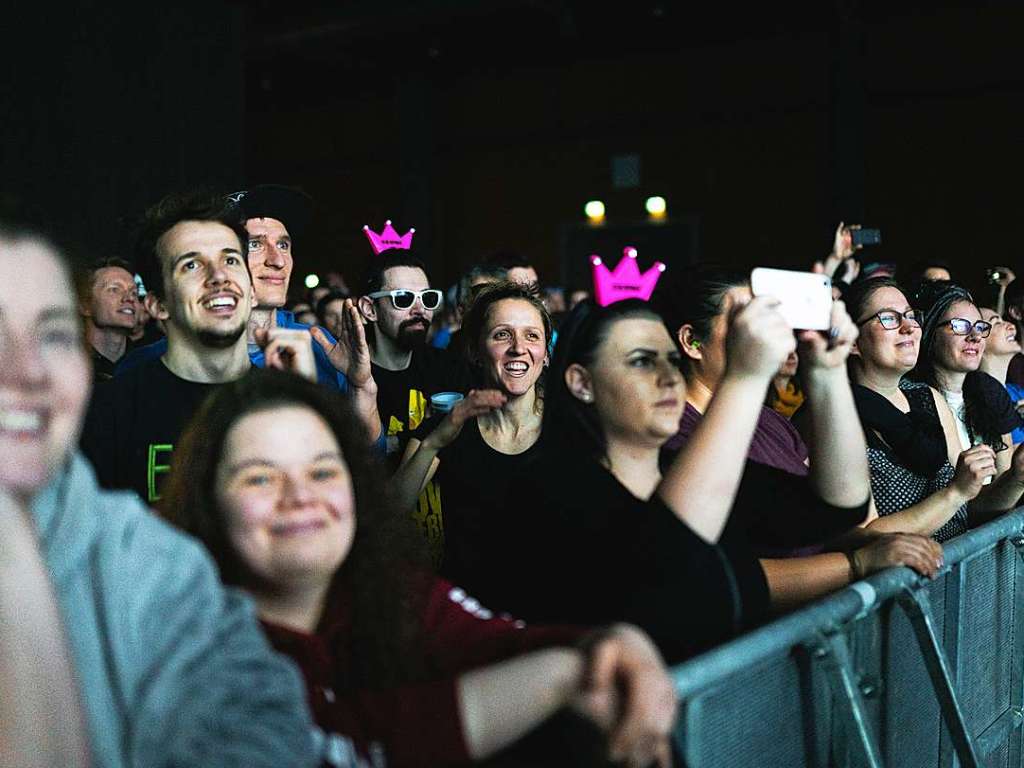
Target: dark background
<point>489,124</point>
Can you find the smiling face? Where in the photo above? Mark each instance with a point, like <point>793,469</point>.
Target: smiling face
<point>44,371</point>
<point>114,299</point>
<point>513,346</point>
<point>637,388</point>
<point>208,292</point>
<point>287,497</point>
<point>891,350</point>
<point>270,260</point>
<point>1002,341</point>
<point>953,353</point>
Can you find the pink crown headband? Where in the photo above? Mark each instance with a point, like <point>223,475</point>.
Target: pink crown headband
<point>625,282</point>
<point>388,238</point>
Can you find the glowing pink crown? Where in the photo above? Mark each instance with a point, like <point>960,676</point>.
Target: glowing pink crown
<point>388,238</point>
<point>625,282</point>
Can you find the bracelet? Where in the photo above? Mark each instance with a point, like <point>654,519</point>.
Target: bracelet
<point>854,566</point>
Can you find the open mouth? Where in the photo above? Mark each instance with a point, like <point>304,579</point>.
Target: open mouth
<point>22,423</point>
<point>516,368</point>
<point>221,304</point>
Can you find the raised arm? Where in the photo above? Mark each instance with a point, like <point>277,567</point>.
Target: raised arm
<point>835,440</point>
<point>350,356</point>
<point>701,483</point>
<point>420,462</point>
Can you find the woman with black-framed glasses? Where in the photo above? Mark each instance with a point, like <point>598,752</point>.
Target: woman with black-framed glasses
<point>912,465</point>
<point>914,485</point>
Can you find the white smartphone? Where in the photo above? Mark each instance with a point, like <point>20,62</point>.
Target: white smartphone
<point>805,297</point>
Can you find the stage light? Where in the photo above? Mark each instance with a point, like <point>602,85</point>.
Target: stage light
<point>656,207</point>
<point>312,281</point>
<point>595,211</point>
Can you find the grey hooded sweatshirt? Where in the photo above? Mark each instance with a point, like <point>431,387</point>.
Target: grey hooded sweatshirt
<point>172,667</point>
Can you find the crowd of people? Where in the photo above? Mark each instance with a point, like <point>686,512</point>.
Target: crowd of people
<point>396,525</point>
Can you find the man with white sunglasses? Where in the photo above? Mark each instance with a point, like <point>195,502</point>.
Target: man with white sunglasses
<point>398,306</point>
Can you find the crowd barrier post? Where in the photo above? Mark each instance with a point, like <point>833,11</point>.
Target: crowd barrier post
<point>895,671</point>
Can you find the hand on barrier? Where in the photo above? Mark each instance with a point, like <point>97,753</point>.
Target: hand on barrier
<point>893,549</point>
<point>628,693</point>
<point>759,338</point>
<point>476,403</point>
<point>973,467</point>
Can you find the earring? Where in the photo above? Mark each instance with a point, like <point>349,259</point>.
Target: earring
<point>587,397</point>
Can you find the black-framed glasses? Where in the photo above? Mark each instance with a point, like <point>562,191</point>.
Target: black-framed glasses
<point>430,298</point>
<point>962,327</point>
<point>890,319</point>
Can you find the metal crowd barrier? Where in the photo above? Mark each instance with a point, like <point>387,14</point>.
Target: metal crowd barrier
<point>892,671</point>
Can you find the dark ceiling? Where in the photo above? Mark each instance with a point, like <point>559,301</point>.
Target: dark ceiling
<point>300,47</point>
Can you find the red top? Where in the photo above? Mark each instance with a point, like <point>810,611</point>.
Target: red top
<point>415,724</point>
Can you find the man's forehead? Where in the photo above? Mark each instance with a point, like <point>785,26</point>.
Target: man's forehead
<point>266,226</point>
<point>205,237</point>
<point>412,278</point>
<point>113,274</point>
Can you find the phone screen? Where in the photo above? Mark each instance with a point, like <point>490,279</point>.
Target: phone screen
<point>805,297</point>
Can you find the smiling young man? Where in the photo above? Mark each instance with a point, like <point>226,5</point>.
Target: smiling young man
<point>190,254</point>
<point>109,307</point>
<point>272,216</point>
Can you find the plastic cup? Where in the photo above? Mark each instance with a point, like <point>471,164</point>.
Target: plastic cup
<point>443,402</point>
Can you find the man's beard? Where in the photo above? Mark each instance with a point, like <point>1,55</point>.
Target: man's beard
<point>412,334</point>
<point>221,339</point>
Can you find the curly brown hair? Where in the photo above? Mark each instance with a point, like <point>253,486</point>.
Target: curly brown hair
<point>385,577</point>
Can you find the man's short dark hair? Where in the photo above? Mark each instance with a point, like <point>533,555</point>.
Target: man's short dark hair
<point>190,205</point>
<point>508,260</point>
<point>490,272</point>
<point>396,257</point>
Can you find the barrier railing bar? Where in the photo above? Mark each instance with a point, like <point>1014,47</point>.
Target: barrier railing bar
<point>686,742</point>
<point>1000,731</point>
<point>834,655</point>
<point>1017,674</point>
<point>952,643</point>
<point>913,603</point>
<point>830,613</point>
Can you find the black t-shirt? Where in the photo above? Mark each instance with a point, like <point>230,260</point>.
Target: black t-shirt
<point>403,396</point>
<point>102,368</point>
<point>133,422</point>
<point>576,547</point>
<point>471,485</point>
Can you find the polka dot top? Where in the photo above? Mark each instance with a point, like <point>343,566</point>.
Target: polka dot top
<point>895,487</point>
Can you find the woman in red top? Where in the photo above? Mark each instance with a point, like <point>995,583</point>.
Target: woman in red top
<point>401,668</point>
